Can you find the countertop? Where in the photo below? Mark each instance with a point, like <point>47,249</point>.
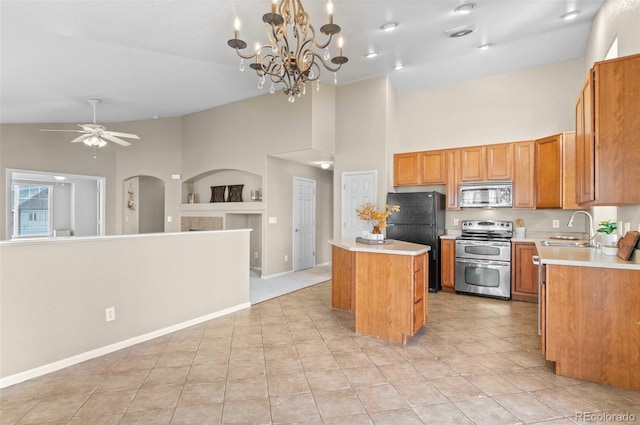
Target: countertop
<point>584,257</point>
<point>396,248</point>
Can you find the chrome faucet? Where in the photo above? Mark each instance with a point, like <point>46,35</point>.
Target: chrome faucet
<point>592,233</point>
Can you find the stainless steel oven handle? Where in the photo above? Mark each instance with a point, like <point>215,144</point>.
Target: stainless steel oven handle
<point>481,263</point>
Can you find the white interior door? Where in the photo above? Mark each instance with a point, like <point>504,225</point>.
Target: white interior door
<point>358,188</point>
<point>304,223</point>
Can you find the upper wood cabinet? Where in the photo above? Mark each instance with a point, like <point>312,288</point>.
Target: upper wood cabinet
<point>608,134</point>
<point>487,162</point>
<point>548,172</point>
<point>499,161</point>
<point>452,158</point>
<point>524,175</point>
<point>473,163</point>
<point>569,201</point>
<point>433,168</point>
<point>406,169</point>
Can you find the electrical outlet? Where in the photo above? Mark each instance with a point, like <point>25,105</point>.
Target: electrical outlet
<point>456,221</point>
<point>556,224</point>
<point>255,254</point>
<point>169,219</point>
<point>286,258</point>
<point>110,314</point>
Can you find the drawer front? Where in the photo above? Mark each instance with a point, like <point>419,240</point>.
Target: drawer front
<point>418,294</point>
<point>418,263</point>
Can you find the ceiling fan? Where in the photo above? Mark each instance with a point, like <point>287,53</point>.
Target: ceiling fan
<point>96,135</point>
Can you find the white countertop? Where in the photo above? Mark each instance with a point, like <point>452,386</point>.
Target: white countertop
<point>396,248</point>
<point>583,257</point>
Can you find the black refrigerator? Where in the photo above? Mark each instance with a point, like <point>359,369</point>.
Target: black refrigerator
<point>420,220</point>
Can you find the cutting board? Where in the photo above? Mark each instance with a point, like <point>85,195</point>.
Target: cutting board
<point>627,244</point>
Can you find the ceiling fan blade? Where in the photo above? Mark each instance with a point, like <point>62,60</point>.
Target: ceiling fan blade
<point>81,138</point>
<point>128,135</point>
<point>115,139</point>
<point>69,131</point>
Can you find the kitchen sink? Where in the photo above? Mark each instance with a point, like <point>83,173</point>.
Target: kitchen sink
<point>572,244</point>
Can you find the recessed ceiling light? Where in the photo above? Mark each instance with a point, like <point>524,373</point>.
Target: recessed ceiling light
<point>398,67</point>
<point>325,165</point>
<point>371,55</point>
<point>390,26</point>
<point>484,46</point>
<point>59,178</point>
<point>570,15</point>
<point>460,33</point>
<point>464,9</point>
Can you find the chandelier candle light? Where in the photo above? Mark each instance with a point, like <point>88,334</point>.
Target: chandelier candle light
<point>293,55</point>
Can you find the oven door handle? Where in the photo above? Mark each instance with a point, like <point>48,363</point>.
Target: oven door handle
<point>482,243</point>
<point>481,263</point>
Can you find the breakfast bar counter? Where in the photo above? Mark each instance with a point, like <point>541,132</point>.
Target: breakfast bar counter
<point>384,285</point>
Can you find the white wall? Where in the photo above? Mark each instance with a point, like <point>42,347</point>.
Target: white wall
<point>52,311</point>
<point>522,105</point>
<point>362,113</point>
<point>151,218</point>
<point>86,208</point>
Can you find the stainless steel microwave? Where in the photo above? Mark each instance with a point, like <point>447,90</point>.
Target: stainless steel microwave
<point>498,194</point>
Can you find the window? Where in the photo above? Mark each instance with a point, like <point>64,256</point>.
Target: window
<point>30,210</point>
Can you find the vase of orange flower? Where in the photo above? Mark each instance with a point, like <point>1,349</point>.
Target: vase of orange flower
<point>375,217</point>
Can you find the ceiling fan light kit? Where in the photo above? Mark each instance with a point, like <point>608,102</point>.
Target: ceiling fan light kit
<point>95,135</point>
<point>293,56</point>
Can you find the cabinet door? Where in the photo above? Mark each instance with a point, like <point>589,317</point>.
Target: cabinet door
<point>499,161</point>
<point>406,169</point>
<point>523,175</point>
<point>453,179</point>
<point>585,145</point>
<point>524,274</point>
<point>617,128</point>
<point>473,163</point>
<point>569,171</point>
<point>433,167</point>
<point>548,166</point>
<point>448,263</point>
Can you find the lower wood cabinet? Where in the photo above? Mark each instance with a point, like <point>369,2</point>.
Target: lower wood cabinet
<point>448,264</point>
<point>524,274</point>
<point>388,293</point>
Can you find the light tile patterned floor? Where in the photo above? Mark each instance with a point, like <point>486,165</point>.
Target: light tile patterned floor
<point>295,360</point>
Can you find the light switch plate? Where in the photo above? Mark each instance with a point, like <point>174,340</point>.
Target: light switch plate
<point>273,220</point>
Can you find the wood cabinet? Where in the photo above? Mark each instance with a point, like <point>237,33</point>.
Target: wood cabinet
<point>499,161</point>
<point>548,172</point>
<point>406,169</point>
<point>569,201</point>
<point>473,163</point>
<point>388,293</point>
<point>433,168</point>
<point>487,162</point>
<point>524,274</point>
<point>608,134</point>
<point>590,324</point>
<point>452,157</point>
<point>448,264</point>
<point>524,175</point>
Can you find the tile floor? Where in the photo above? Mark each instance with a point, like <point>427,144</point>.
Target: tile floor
<point>295,360</point>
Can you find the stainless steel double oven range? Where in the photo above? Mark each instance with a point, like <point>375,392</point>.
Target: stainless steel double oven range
<point>483,258</point>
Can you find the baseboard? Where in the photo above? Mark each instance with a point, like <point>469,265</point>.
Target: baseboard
<point>88,355</point>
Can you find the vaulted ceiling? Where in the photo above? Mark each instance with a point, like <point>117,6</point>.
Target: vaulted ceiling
<point>165,58</point>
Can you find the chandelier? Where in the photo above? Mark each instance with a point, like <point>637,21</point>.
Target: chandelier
<point>293,56</point>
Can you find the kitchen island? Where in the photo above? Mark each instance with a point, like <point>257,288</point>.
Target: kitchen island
<point>384,285</point>
<point>590,315</point>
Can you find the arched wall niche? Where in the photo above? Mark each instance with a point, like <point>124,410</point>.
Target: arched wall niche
<point>201,185</point>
